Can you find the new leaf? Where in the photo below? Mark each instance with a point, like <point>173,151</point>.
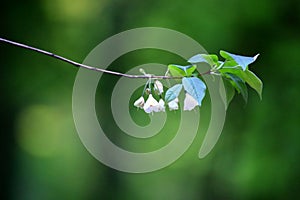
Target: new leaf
<point>178,70</point>
<point>200,58</point>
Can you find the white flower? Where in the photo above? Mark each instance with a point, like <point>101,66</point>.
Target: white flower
<point>158,87</point>
<point>161,105</point>
<point>140,102</point>
<point>173,105</point>
<point>151,105</point>
<point>189,102</point>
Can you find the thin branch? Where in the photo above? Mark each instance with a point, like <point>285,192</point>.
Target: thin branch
<point>76,64</point>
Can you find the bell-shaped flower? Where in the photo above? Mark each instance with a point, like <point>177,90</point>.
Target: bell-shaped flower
<point>189,102</point>
<point>139,102</point>
<point>161,106</point>
<point>173,105</point>
<point>158,87</point>
<point>151,105</point>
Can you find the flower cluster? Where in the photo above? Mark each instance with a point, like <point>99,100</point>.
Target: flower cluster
<point>151,105</point>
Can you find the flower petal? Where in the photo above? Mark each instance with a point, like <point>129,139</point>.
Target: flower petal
<point>189,102</point>
<point>173,105</point>
<point>161,105</point>
<point>151,105</point>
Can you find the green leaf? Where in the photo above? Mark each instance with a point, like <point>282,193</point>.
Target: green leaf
<point>235,71</point>
<point>173,92</point>
<point>238,84</point>
<point>231,64</point>
<point>195,87</point>
<point>199,58</point>
<point>229,91</point>
<point>253,81</point>
<point>247,76</point>
<point>242,61</point>
<point>178,70</point>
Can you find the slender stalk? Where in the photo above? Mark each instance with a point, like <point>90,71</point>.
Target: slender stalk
<point>76,64</point>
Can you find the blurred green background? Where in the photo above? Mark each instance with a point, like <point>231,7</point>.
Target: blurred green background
<point>42,157</point>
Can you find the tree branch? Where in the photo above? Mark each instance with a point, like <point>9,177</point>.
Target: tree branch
<point>76,64</point>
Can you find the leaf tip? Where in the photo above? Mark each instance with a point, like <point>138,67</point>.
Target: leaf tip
<point>255,57</point>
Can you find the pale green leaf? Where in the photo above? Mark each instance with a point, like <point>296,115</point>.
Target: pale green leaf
<point>178,70</point>
<point>242,61</point>
<point>200,58</point>
<point>195,87</point>
<point>173,92</point>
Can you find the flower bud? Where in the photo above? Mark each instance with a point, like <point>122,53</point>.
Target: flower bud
<point>148,91</point>
<point>158,87</point>
<point>139,102</point>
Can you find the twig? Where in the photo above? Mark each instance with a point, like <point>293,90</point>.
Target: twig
<point>76,64</point>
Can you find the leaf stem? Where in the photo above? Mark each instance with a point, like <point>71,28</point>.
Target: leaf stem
<point>76,64</point>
